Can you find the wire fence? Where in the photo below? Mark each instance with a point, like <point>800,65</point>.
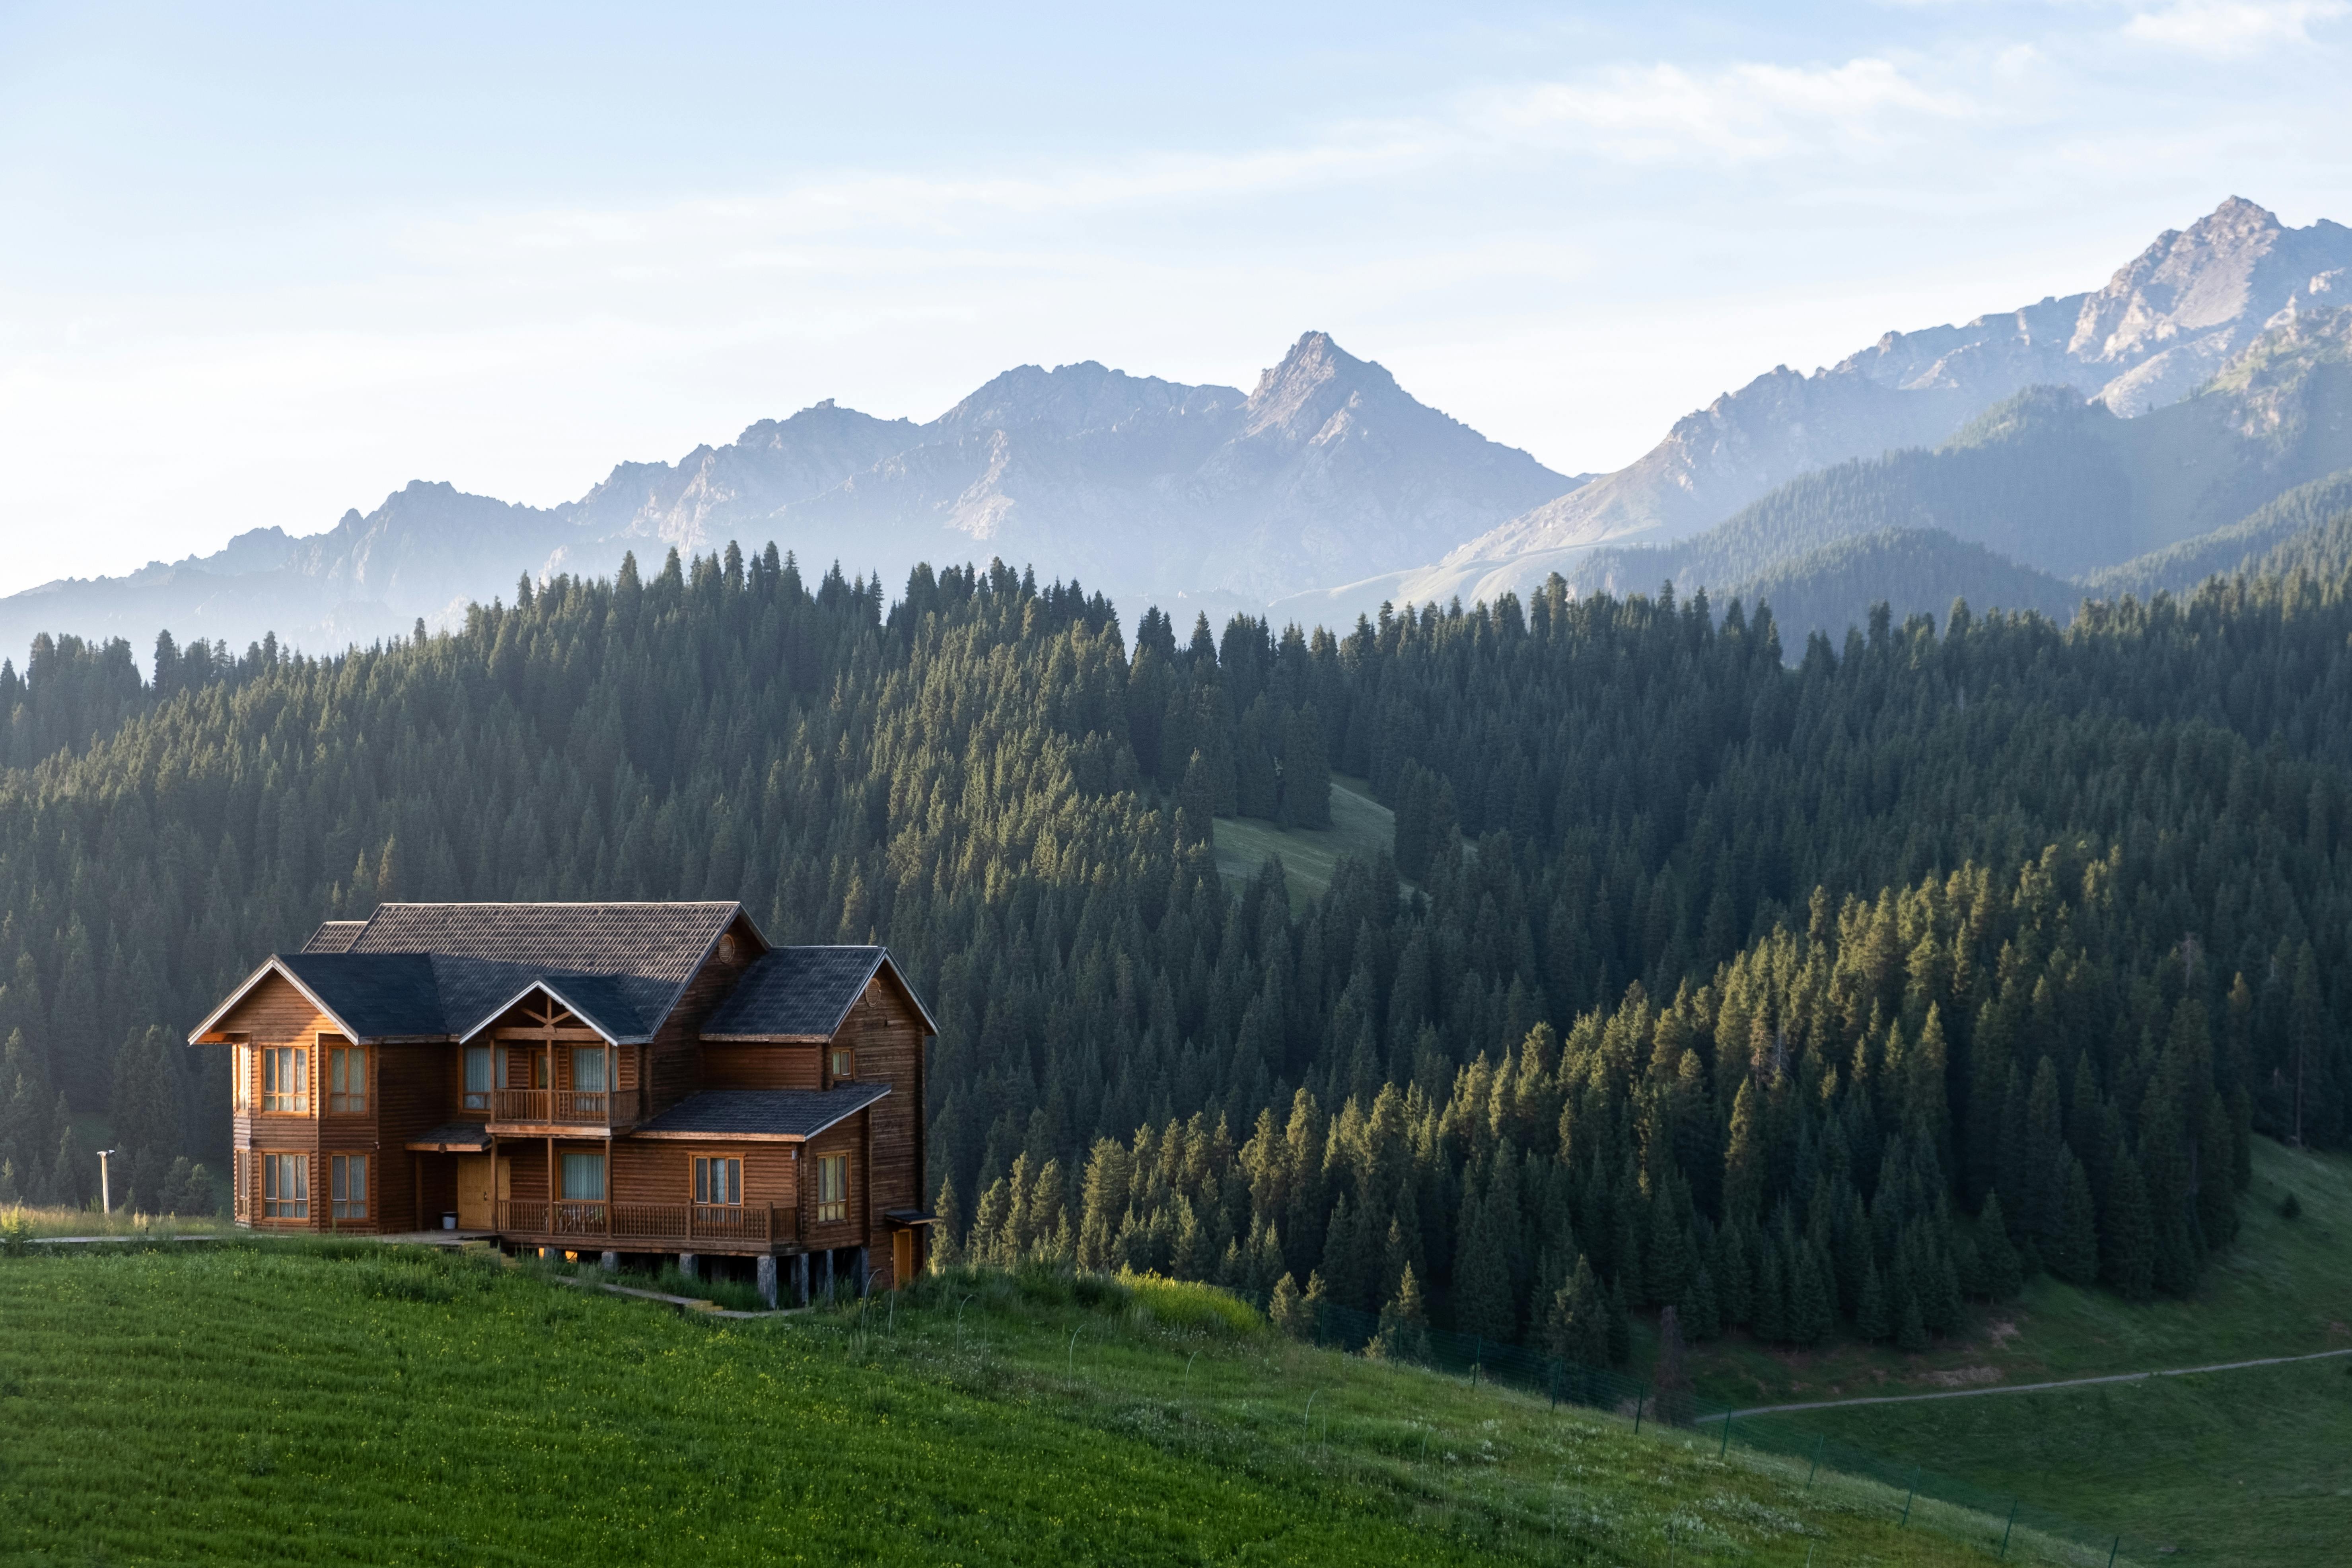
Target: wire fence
<point>2005,1526</point>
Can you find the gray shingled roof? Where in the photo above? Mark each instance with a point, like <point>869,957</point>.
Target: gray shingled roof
<point>390,995</point>
<point>761,1113</point>
<point>795,991</point>
<point>334,936</point>
<point>453,1136</point>
<point>629,962</point>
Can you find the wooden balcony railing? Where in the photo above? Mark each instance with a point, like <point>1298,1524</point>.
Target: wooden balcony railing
<point>565,1107</point>
<point>666,1223</point>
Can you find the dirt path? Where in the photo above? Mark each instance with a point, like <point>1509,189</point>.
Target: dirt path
<point>2036,1387</point>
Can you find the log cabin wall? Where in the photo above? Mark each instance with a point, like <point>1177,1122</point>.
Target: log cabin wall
<point>763,1067</point>
<point>887,1034</point>
<point>276,1014</point>
<point>415,1089</point>
<point>674,1059</point>
<point>847,1138</point>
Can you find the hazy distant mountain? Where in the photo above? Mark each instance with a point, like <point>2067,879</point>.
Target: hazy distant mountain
<point>1328,472</point>
<point>2162,326</point>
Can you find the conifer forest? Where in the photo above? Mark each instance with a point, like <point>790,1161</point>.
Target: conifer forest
<point>1812,991</point>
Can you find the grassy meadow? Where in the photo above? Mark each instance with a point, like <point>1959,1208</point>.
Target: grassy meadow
<point>2243,1467</point>
<point>271,1403</point>
<point>1360,826</point>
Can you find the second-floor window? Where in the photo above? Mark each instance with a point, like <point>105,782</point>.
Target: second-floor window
<point>241,1086</point>
<point>347,1079</point>
<point>718,1180</point>
<point>588,1070</point>
<point>286,1079</point>
<point>477,1077</point>
<point>844,1064</point>
<point>285,1186</point>
<point>832,1189</point>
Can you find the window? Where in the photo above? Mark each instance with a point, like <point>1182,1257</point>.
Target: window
<point>347,1079</point>
<point>832,1189</point>
<point>844,1064</point>
<point>241,1184</point>
<point>588,1069</point>
<point>286,1079</point>
<point>717,1181</point>
<point>285,1185</point>
<point>240,1088</point>
<point>477,1077</point>
<point>350,1190</point>
<point>583,1178</point>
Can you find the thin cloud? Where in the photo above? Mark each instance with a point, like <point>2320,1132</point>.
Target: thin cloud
<point>2231,28</point>
<point>1745,112</point>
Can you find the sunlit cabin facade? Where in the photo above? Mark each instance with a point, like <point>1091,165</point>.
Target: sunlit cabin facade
<point>607,1080</point>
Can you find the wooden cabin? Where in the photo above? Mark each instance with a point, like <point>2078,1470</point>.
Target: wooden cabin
<point>599,1079</point>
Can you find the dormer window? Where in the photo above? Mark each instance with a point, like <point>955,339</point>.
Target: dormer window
<point>844,1064</point>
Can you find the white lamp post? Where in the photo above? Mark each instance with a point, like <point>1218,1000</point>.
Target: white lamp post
<point>105,1188</point>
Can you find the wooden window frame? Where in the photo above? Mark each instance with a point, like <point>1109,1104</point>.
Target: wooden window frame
<point>835,1057</point>
<point>698,1171</point>
<point>336,1053</point>
<point>281,1100</point>
<point>285,1206</point>
<point>834,1210</point>
<point>469,1097</point>
<point>241,1074</point>
<point>342,1204</point>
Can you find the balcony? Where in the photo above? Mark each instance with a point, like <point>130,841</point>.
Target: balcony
<point>646,1227</point>
<point>512,1108</point>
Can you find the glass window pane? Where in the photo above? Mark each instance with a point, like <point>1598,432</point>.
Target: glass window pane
<point>588,1069</point>
<point>583,1177</point>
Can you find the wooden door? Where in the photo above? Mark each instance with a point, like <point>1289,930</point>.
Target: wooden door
<point>476,1196</point>
<point>902,1257</point>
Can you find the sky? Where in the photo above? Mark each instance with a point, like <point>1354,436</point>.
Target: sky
<point>262,264</point>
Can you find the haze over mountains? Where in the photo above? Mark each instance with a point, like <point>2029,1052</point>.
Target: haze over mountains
<point>2208,377</point>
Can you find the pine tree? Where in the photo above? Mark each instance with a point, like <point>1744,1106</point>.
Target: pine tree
<point>1871,1323</point>
<point>2074,1254</point>
<point>1911,1335</point>
<point>1580,1319</point>
<point>2128,1252</point>
<point>2004,1275</point>
<point>1404,1332</point>
<point>1288,1313</point>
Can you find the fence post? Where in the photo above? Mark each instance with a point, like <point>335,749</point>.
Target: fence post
<point>2006,1528</point>
<point>1906,1501</point>
<point>2118,1546</point>
<point>1477,1356</point>
<point>1639,1399</point>
<point>1819,1444</point>
<point>1725,1446</point>
<point>1555,1385</point>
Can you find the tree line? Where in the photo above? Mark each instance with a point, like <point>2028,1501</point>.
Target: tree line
<point>1792,968</point>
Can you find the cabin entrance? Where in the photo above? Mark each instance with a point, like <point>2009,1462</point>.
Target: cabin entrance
<point>902,1256</point>
<point>477,1196</point>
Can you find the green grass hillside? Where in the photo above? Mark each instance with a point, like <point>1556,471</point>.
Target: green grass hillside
<point>269,1403</point>
<point>1360,826</point>
<point>2243,1466</point>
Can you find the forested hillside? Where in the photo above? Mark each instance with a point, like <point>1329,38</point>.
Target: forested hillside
<point>1698,977</point>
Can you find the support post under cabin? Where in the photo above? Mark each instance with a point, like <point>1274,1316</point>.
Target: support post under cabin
<point>686,1265</point>
<point>767,1280</point>
<point>800,1279</point>
<point>824,1274</point>
<point>609,1262</point>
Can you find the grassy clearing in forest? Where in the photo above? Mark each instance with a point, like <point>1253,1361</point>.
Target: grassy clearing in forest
<point>272,1403</point>
<point>1360,826</point>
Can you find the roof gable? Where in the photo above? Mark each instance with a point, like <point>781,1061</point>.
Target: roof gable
<point>625,963</point>
<point>803,992</point>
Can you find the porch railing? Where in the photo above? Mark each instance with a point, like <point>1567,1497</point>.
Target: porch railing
<point>664,1223</point>
<point>565,1107</point>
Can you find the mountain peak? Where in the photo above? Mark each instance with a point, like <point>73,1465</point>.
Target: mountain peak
<point>1315,380</point>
